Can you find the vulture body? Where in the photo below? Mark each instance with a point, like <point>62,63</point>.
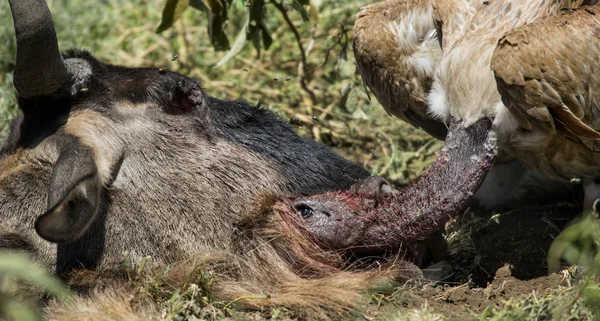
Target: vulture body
<point>397,58</point>
<point>495,79</point>
<point>530,66</point>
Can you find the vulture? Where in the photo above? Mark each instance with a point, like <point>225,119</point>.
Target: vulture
<point>495,79</point>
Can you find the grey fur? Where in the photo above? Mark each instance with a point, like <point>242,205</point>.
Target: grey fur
<point>144,163</point>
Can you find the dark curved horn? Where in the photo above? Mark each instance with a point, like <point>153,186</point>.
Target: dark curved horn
<point>40,69</point>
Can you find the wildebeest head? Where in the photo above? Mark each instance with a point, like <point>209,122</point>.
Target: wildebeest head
<point>121,159</point>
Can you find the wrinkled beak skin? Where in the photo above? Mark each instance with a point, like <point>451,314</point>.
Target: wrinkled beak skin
<point>358,219</point>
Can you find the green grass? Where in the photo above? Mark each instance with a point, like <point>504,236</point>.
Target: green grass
<point>561,305</point>
<point>7,65</point>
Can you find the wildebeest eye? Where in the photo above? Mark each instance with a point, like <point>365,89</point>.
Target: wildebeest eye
<point>305,211</point>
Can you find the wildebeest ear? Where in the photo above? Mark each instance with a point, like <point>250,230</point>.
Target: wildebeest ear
<point>73,196</point>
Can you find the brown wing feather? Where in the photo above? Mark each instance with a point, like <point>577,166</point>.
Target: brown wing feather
<point>549,71</point>
<point>399,70</point>
<point>454,18</point>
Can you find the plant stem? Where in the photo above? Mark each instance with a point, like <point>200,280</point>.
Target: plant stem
<point>303,65</point>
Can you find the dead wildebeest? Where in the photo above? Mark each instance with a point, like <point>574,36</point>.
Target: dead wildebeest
<point>273,260</point>
<point>107,157</point>
<point>106,160</point>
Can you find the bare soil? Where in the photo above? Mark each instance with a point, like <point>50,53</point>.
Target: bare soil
<point>503,258</point>
<point>462,301</point>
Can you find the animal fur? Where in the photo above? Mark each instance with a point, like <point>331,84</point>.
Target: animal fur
<point>273,263</point>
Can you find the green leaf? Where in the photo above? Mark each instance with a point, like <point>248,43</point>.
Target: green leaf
<point>217,16</point>
<point>257,27</point>
<point>198,4</point>
<point>255,37</point>
<point>300,8</point>
<point>266,35</point>
<point>22,267</point>
<point>237,47</point>
<point>171,13</point>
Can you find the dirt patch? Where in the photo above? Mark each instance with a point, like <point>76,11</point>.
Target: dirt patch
<point>495,257</point>
<point>519,238</point>
<point>460,302</point>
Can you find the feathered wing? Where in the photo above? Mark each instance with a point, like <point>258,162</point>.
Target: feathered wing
<point>454,18</point>
<point>548,74</point>
<point>397,50</point>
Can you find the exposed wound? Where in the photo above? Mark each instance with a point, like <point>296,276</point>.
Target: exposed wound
<point>421,209</point>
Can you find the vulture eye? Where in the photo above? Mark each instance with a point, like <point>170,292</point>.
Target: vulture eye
<point>305,211</point>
